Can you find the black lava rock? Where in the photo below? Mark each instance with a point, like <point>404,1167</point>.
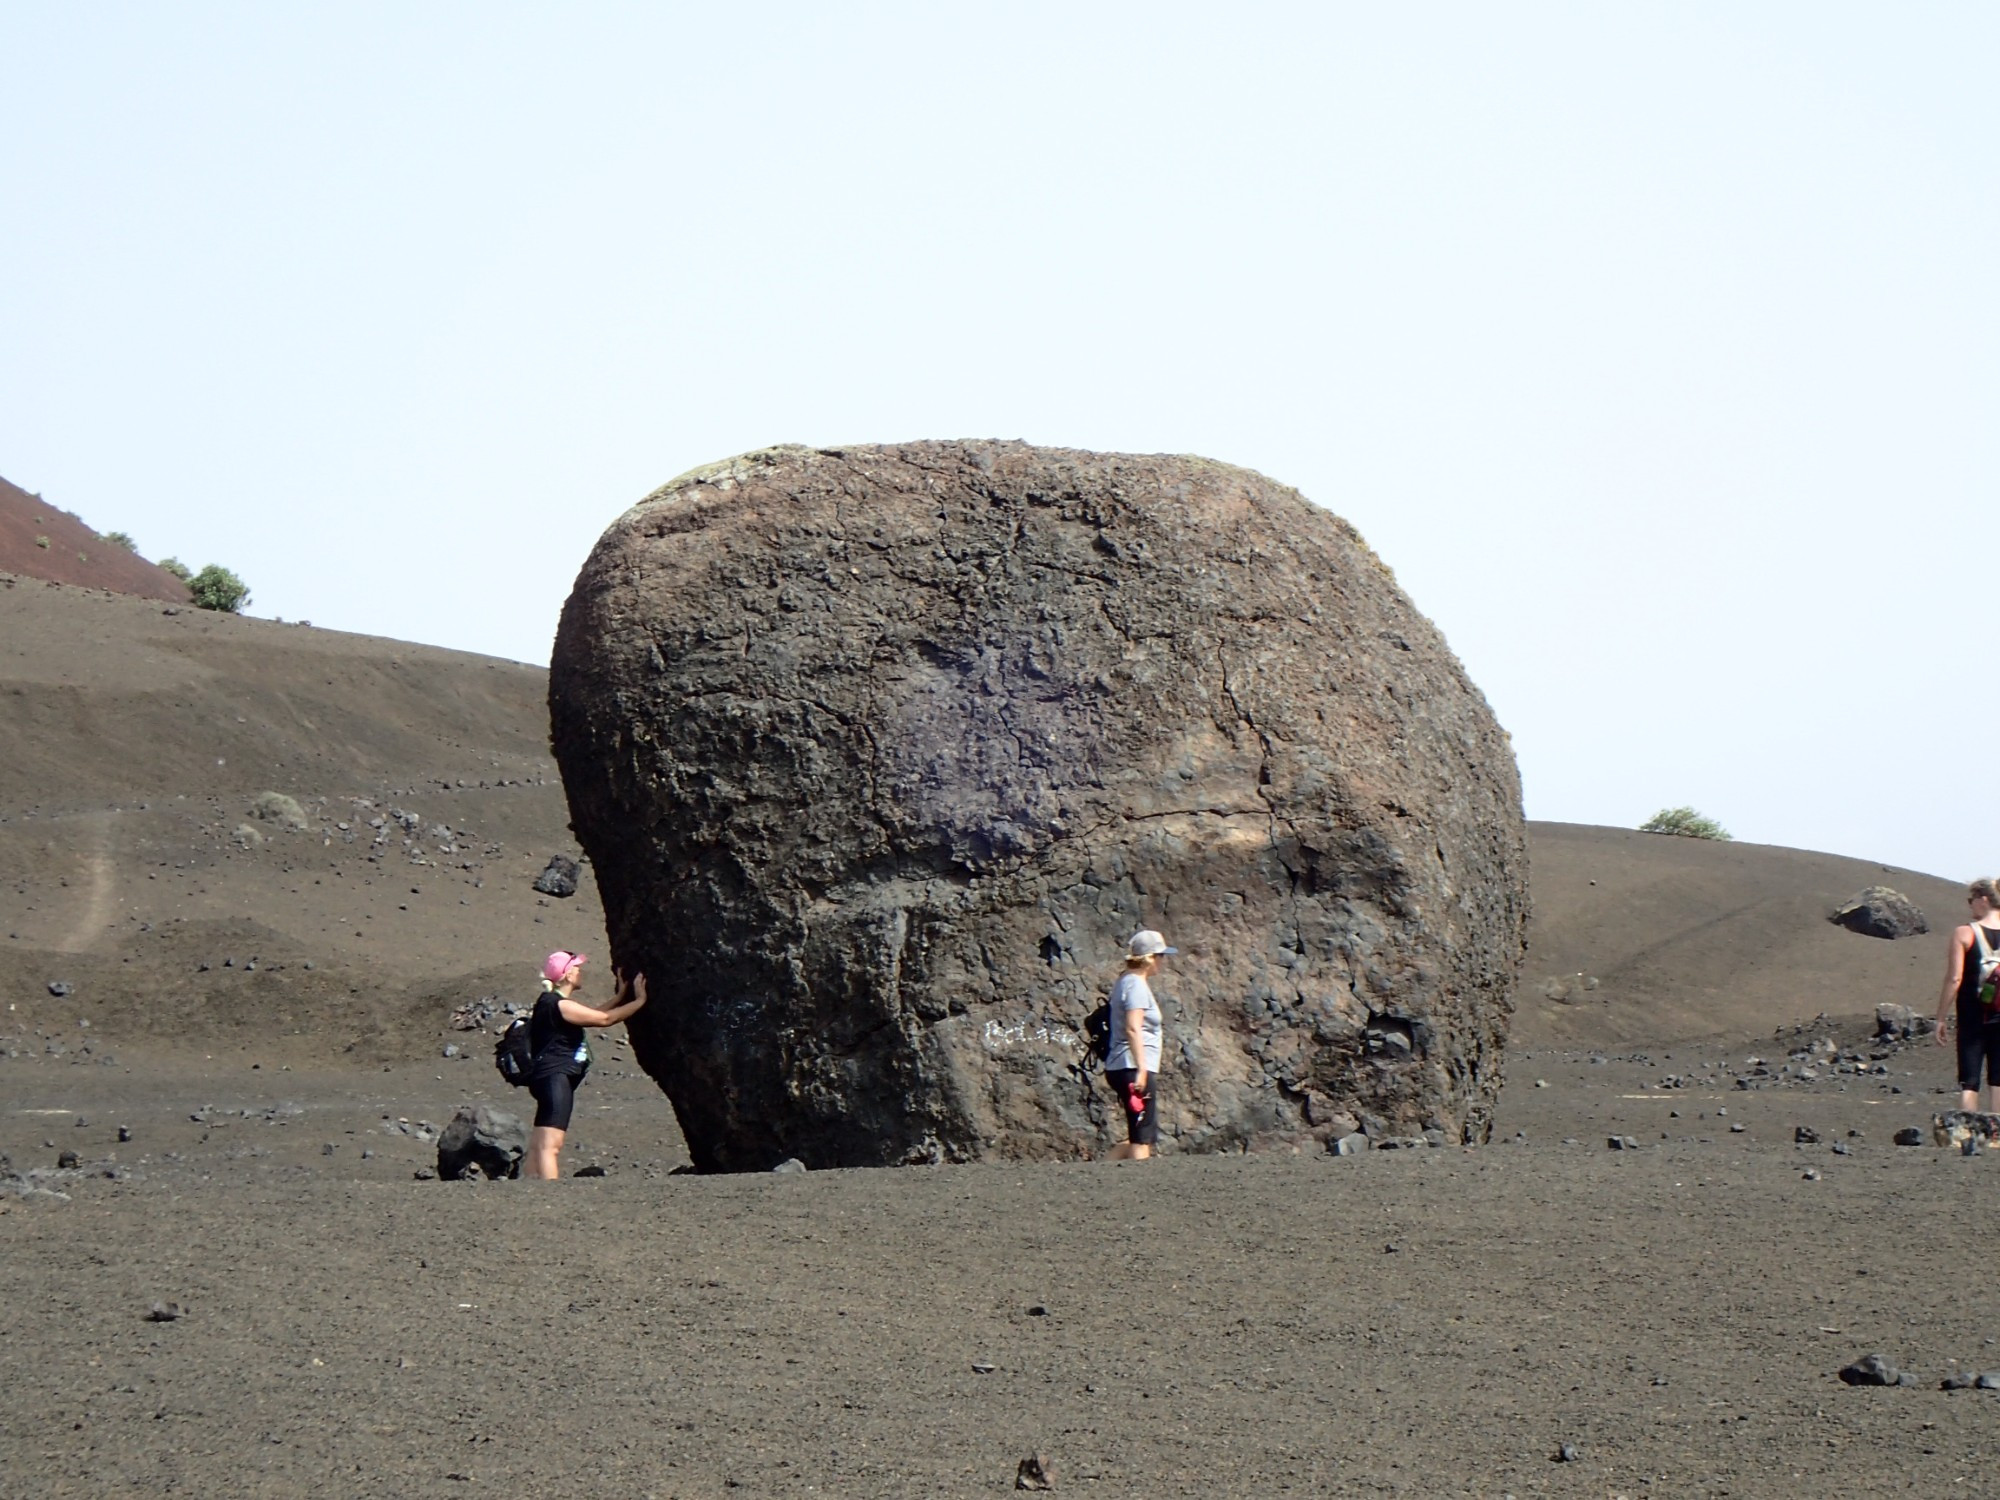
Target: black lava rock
<point>484,1141</point>
<point>916,736</point>
<point>1871,1369</point>
<point>1881,912</point>
<point>558,877</point>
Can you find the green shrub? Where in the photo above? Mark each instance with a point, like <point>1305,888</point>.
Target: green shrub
<point>42,542</point>
<point>121,539</point>
<point>215,587</point>
<point>176,567</point>
<point>1684,821</point>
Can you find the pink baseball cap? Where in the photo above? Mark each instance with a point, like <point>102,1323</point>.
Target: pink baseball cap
<point>560,963</point>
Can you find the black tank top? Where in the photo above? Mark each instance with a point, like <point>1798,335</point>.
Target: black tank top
<point>1968,984</point>
<point>558,1045</point>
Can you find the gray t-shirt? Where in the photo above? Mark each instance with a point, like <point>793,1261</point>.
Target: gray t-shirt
<point>1131,993</point>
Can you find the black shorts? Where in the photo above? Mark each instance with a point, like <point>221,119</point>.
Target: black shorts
<point>555,1098</point>
<point>1978,1044</point>
<point>1142,1126</point>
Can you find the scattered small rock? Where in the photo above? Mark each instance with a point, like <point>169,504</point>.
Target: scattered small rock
<point>1841,1148</point>
<point>124,1134</point>
<point>1035,1473</point>
<point>789,1165</point>
<point>66,1161</point>
<point>1810,1174</point>
<point>483,1140</point>
<point>62,989</point>
<point>983,1367</point>
<point>1805,1135</point>
<point>165,1312</point>
<point>558,877</point>
<point>1909,1135</point>
<point>1351,1145</point>
<point>1737,1128</point>
<point>1622,1142</point>
<point>593,1170</point>
<point>1569,1453</point>
<point>1871,1369</point>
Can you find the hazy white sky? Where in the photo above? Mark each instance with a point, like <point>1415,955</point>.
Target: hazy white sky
<point>1655,347</point>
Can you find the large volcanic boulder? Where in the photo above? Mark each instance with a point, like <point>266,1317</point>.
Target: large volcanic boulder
<point>880,754</point>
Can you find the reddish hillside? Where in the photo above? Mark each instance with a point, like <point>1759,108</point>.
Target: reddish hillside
<point>74,554</point>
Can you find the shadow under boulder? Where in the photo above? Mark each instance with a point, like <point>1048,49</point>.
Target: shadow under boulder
<point>880,754</point>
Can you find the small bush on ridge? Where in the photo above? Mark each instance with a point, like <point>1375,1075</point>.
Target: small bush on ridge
<point>121,539</point>
<point>215,587</point>
<point>176,567</point>
<point>1685,822</point>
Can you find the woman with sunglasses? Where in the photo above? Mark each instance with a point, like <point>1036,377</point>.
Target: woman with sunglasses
<point>1961,1006</point>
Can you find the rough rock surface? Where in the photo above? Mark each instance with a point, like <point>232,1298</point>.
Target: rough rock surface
<point>881,753</point>
<point>1881,912</point>
<point>484,1140</point>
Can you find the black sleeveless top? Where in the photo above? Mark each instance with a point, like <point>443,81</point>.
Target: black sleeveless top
<point>558,1045</point>
<point>1969,1007</point>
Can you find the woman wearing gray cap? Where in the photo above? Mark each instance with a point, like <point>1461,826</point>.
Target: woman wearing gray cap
<point>1132,1062</point>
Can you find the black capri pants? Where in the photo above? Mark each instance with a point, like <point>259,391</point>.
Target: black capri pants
<point>1978,1044</point>
<point>555,1098</point>
<point>1142,1126</point>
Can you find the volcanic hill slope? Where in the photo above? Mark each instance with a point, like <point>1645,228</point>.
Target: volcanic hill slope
<point>1418,1323</point>
<point>39,541</point>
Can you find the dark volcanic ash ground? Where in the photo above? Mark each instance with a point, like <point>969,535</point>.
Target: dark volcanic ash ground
<point>1672,1312</point>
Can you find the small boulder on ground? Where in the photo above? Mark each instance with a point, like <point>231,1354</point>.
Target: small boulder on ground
<point>1899,1023</point>
<point>1881,912</point>
<point>481,1140</point>
<point>1035,1473</point>
<point>276,807</point>
<point>558,877</point>
<point>1958,1127</point>
<point>1873,1369</point>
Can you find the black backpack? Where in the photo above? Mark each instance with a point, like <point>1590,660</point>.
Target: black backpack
<point>514,1053</point>
<point>1097,1032</point>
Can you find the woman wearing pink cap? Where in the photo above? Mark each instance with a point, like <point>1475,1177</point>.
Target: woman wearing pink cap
<point>562,1055</point>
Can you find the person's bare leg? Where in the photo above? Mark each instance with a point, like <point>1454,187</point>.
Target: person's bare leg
<point>1968,1100</point>
<point>545,1144</point>
<point>1129,1151</point>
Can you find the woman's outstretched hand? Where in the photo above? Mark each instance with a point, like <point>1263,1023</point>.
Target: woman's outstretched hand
<point>638,990</point>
